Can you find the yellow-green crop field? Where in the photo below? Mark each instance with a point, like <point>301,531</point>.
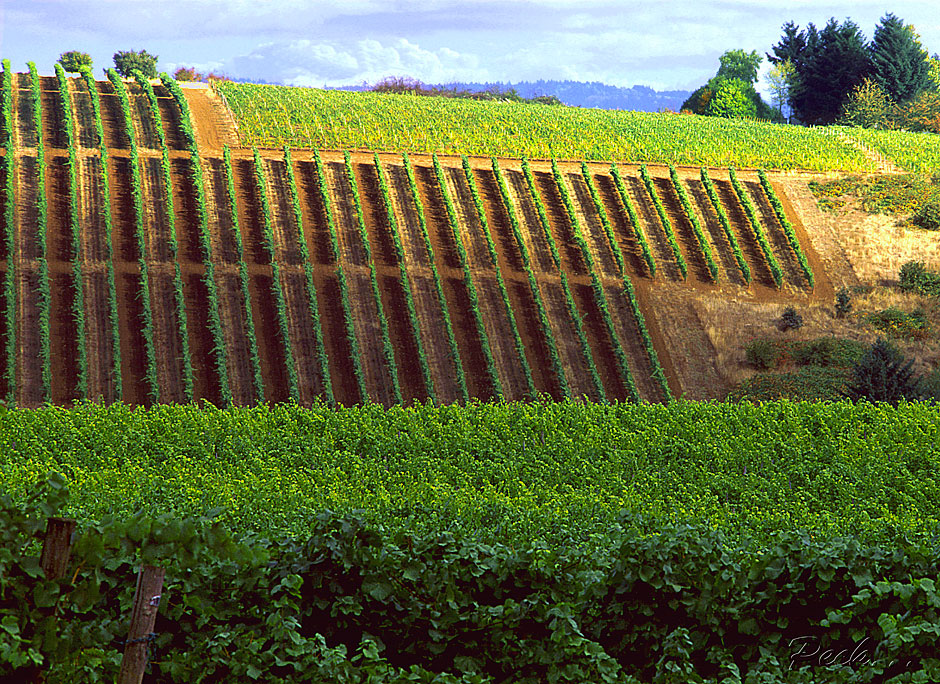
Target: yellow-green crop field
<point>272,116</point>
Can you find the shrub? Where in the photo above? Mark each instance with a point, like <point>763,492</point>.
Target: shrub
<point>927,215</point>
<point>883,375</point>
<point>187,74</point>
<point>843,303</point>
<point>790,320</point>
<point>764,353</point>
<point>829,351</point>
<point>899,323</point>
<point>75,62</point>
<point>126,61</point>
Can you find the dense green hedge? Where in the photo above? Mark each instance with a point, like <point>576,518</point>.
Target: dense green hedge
<point>664,220</point>
<point>454,224</point>
<point>150,372</point>
<point>219,352</point>
<point>725,225</point>
<point>78,301</point>
<point>694,222</point>
<point>446,582</point>
<point>752,218</point>
<point>787,226</point>
<point>257,382</point>
<point>438,288</point>
<point>413,321</point>
<point>9,242</point>
<point>351,339</point>
<point>569,299</point>
<point>600,296</point>
<point>388,350</point>
<point>42,209</point>
<point>544,323</point>
<point>105,206</point>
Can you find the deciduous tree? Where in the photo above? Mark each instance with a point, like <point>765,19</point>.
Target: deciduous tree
<point>126,61</point>
<point>75,62</point>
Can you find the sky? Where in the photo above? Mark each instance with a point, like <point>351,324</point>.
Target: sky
<point>664,44</point>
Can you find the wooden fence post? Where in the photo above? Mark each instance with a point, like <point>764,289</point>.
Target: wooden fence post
<point>143,617</point>
<point>56,547</point>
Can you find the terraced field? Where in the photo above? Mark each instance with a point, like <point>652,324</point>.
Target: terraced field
<point>357,277</point>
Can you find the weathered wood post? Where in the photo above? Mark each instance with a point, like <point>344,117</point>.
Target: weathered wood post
<point>57,547</point>
<point>143,617</point>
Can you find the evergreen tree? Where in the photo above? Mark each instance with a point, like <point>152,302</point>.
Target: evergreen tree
<point>834,61</point>
<point>883,375</point>
<point>899,63</point>
<point>791,45</point>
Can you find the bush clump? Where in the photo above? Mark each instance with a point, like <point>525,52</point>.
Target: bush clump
<point>790,320</point>
<point>883,374</point>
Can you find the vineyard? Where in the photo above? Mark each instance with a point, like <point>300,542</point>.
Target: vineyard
<point>145,269</point>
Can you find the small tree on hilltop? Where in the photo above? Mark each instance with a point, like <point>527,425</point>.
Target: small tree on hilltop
<point>187,74</point>
<point>75,62</point>
<point>883,375</point>
<point>126,61</point>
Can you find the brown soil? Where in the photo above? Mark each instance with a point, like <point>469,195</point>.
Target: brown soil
<point>83,114</point>
<point>133,357</point>
<point>238,351</point>
<point>53,126</point>
<point>375,217</point>
<point>753,255</point>
<point>540,253</point>
<point>629,336</point>
<point>283,219</point>
<point>338,349</point>
<point>29,370</point>
<point>728,268</point>
<point>63,340</point>
<point>25,135</point>
<point>434,339</point>
<point>316,229</point>
<point>5,322</point>
<point>97,342</point>
<point>196,302</point>
<point>599,341</point>
<point>682,229</point>
<point>166,335</point>
<point>571,258</point>
<point>144,125</point>
<point>170,118</point>
<point>90,212</point>
<point>156,217</point>
<point>666,266</point>
<point>211,121</point>
<point>58,231</point>
<point>786,257</point>
<point>566,340</point>
<point>406,215</point>
<point>112,119</point>
<point>468,342</point>
<point>221,229</point>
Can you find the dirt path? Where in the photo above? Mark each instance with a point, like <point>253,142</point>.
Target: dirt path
<point>212,122</point>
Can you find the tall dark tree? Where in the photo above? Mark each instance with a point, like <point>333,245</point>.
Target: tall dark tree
<point>791,45</point>
<point>899,62</point>
<point>834,61</point>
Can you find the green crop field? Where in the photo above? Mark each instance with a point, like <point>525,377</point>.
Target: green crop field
<point>271,116</point>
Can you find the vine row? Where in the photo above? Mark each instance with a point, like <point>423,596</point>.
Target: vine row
<point>569,299</point>
<point>439,289</point>
<point>468,280</point>
<point>725,225</point>
<point>634,220</point>
<point>694,222</point>
<point>9,225</point>
<point>42,210</point>
<point>600,296</point>
<point>751,214</point>
<point>544,323</point>
<point>667,224</point>
<point>787,226</point>
<point>405,283</point>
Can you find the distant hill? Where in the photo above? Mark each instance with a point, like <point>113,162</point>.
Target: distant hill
<point>580,94</point>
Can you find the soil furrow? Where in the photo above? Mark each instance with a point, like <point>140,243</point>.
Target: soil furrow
<point>571,258</point>
<point>652,228</point>
<point>760,271</point>
<point>682,227</point>
<point>530,225</point>
<point>629,335</point>
<point>572,356</point>
<point>98,341</point>
<point>786,257</point>
<point>594,233</point>
<point>83,114</point>
<point>727,263</point>
<point>620,224</point>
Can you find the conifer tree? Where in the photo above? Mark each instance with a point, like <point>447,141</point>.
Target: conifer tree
<point>883,375</point>
<point>899,63</point>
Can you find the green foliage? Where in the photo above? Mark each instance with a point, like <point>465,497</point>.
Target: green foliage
<point>790,319</point>
<point>492,374</point>
<point>438,288</point>
<point>600,297</point>
<point>9,243</point>
<point>804,383</point>
<point>150,372</point>
<point>883,375</point>
<point>781,215</point>
<point>105,206</point>
<point>731,99</point>
<point>42,208</point>
<point>569,300</point>
<point>740,65</point>
<point>544,323</point>
<point>915,277</point>
<point>277,287</point>
<point>75,61</point>
<point>843,303</point>
<point>257,382</point>
<point>868,105</point>
<point>725,225</point>
<point>894,194</point>
<point>927,215</point>
<point>664,220</point>
<point>748,206</point>
<point>693,220</point>
<point>902,324</point>
<point>500,283</point>
<point>128,61</point>
<point>354,350</point>
<point>414,322</point>
<point>389,351</point>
